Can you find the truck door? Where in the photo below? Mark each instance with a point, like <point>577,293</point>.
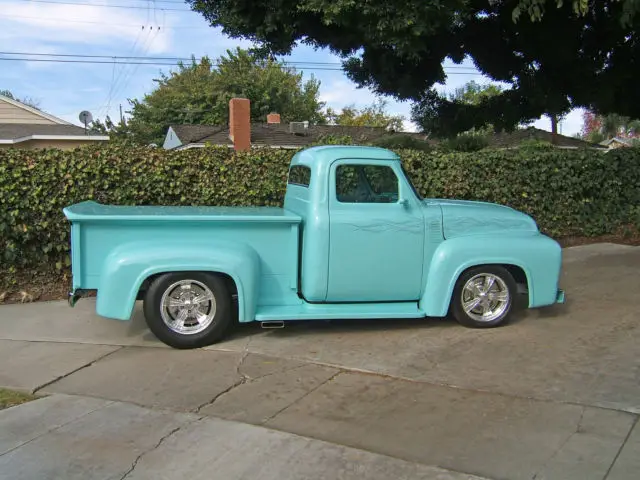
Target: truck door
<point>376,234</point>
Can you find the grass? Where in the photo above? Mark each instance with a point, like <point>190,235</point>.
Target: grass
<point>9,398</point>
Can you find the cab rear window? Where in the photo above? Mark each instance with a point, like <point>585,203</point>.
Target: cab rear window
<point>299,175</point>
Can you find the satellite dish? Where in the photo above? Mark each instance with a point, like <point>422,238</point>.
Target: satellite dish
<point>86,118</point>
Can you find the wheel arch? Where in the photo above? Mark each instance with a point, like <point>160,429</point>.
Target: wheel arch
<point>456,256</point>
<point>129,269</point>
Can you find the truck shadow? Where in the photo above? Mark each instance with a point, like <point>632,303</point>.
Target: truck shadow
<point>310,327</point>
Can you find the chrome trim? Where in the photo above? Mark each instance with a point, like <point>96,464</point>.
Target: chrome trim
<point>485,297</point>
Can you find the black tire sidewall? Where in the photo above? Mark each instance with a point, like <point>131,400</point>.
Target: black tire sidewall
<point>456,304</point>
<point>215,331</point>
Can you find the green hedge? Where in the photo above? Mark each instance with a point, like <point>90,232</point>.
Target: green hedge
<point>568,192</point>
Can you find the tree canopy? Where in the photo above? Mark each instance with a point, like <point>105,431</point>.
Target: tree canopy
<point>472,96</point>
<point>558,60</point>
<point>374,115</point>
<point>199,93</point>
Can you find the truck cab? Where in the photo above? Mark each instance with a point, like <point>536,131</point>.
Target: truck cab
<point>354,239</point>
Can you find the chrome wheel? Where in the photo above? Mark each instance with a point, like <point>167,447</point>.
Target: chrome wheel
<point>188,307</point>
<point>485,297</point>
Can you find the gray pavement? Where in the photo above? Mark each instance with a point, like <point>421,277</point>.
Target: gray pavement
<point>554,395</point>
<point>66,437</point>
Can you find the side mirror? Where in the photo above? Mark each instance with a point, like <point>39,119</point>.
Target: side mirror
<point>403,202</point>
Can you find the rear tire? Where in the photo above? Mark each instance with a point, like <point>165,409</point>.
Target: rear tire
<point>483,297</point>
<point>188,309</point>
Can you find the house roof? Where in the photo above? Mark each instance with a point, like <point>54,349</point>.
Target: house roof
<point>623,141</point>
<point>19,130</point>
<point>194,133</point>
<point>11,133</point>
<point>512,139</point>
<point>34,111</point>
<point>275,134</point>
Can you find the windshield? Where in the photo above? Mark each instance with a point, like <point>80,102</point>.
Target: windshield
<point>413,187</point>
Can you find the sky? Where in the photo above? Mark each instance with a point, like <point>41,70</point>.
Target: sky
<point>148,28</point>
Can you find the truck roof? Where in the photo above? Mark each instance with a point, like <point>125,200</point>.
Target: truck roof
<point>322,156</point>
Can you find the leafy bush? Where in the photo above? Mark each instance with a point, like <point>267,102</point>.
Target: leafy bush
<point>465,143</point>
<point>334,140</point>
<point>568,192</point>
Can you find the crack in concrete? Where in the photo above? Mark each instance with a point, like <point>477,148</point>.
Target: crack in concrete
<point>244,380</point>
<point>224,392</point>
<point>95,360</point>
<point>624,442</point>
<point>241,381</point>
<point>271,417</point>
<point>157,445</point>
<point>562,445</point>
<point>245,354</point>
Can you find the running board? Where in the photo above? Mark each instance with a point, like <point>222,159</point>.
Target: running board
<point>341,311</point>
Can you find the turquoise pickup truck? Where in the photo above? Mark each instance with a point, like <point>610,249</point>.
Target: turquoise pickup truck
<point>354,240</point>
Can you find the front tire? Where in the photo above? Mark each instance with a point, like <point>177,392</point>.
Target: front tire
<point>483,297</point>
<point>188,309</point>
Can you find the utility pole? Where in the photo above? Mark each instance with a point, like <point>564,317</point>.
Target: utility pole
<point>121,117</point>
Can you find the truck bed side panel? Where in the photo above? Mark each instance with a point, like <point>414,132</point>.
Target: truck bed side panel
<point>276,244</point>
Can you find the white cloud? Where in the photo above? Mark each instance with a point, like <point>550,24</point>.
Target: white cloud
<point>32,27</point>
<point>342,92</point>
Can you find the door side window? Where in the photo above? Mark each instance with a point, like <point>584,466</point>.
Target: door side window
<point>366,184</point>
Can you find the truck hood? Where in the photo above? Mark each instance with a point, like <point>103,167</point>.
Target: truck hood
<point>463,217</point>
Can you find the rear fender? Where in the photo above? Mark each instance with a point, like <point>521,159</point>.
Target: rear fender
<point>537,255</point>
<point>127,266</point>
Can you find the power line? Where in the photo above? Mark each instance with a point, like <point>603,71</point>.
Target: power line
<point>58,60</point>
<point>133,25</point>
<point>106,5</point>
<point>114,81</point>
<point>113,58</point>
<point>123,57</point>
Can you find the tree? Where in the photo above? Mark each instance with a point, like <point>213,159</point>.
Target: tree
<point>118,132</point>
<point>199,93</point>
<point>374,115</point>
<point>536,8</point>
<point>559,61</point>
<point>470,94</point>
<point>473,93</point>
<point>26,100</point>
<point>597,128</point>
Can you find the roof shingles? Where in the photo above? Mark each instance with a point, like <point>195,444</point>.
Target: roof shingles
<point>12,131</point>
<point>263,134</point>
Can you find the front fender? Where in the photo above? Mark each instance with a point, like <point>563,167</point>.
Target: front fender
<point>537,255</point>
<point>128,265</point>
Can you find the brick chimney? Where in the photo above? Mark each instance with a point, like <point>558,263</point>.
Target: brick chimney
<point>240,123</point>
<point>273,118</point>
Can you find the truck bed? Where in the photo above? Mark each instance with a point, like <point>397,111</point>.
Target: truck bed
<point>89,210</point>
<point>98,231</point>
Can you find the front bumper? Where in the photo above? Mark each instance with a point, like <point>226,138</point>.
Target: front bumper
<point>560,297</point>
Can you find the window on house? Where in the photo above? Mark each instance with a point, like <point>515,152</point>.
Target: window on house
<point>366,184</point>
<point>299,175</point>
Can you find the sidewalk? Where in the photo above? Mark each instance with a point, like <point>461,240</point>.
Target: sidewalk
<point>66,437</point>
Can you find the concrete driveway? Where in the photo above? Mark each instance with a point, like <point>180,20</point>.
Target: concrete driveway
<point>555,394</point>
